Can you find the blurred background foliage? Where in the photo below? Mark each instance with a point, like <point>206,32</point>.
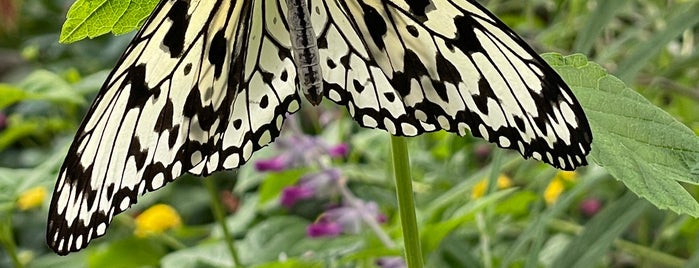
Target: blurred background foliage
<point>539,218</point>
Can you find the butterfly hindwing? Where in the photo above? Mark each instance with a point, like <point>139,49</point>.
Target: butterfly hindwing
<point>198,90</point>
<point>410,67</point>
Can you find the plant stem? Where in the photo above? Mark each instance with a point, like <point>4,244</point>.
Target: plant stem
<point>406,204</point>
<point>219,213</point>
<point>7,239</point>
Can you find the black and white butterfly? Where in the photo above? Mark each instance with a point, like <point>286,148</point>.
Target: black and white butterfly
<point>204,84</point>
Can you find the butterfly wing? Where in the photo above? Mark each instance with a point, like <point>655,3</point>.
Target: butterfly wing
<point>202,86</point>
<point>411,67</point>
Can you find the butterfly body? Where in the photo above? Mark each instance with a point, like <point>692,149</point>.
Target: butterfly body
<point>204,84</point>
<point>306,55</point>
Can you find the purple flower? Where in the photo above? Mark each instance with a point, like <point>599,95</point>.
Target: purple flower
<point>350,218</point>
<point>391,262</point>
<point>323,228</point>
<point>589,207</point>
<point>323,184</point>
<point>277,163</point>
<point>300,150</point>
<point>3,120</point>
<point>292,194</point>
<point>339,150</point>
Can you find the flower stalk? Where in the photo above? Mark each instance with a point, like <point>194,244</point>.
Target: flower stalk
<point>219,213</point>
<point>406,203</point>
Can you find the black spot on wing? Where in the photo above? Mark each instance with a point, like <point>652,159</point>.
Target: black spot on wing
<point>138,153</point>
<point>376,24</point>
<point>418,7</point>
<point>217,52</point>
<point>165,118</point>
<point>174,38</point>
<point>139,92</point>
<point>205,113</point>
<point>466,39</point>
<point>187,69</point>
<point>390,96</point>
<point>447,71</point>
<point>264,102</point>
<point>485,92</point>
<point>412,30</point>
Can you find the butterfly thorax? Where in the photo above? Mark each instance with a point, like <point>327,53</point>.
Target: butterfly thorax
<point>306,56</point>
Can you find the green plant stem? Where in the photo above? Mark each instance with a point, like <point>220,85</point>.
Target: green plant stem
<point>219,213</point>
<point>7,239</point>
<point>406,204</point>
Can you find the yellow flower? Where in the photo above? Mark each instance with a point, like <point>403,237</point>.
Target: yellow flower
<point>31,198</point>
<point>557,185</point>
<point>569,176</point>
<point>156,219</point>
<point>479,189</point>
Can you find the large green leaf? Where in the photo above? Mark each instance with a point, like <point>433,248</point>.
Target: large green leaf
<point>635,141</point>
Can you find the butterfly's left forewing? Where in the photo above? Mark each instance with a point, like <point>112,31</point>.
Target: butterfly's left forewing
<point>410,67</point>
<point>202,86</point>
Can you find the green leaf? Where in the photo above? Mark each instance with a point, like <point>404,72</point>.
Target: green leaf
<point>592,244</point>
<point>10,95</point>
<point>92,18</point>
<point>433,234</point>
<point>635,141</point>
<point>268,239</point>
<point>45,85</point>
<point>129,252</point>
<point>207,255</point>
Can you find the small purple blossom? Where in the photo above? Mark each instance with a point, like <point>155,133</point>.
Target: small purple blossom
<point>300,150</point>
<point>391,262</point>
<point>292,194</point>
<point>3,120</point>
<point>350,218</point>
<point>339,150</point>
<point>278,163</point>
<point>590,207</point>
<point>323,184</point>
<point>323,228</point>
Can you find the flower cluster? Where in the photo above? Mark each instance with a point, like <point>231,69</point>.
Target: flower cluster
<point>479,189</point>
<point>345,214</point>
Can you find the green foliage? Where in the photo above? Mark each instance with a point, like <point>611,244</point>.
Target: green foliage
<point>635,141</point>
<point>644,127</point>
<point>92,18</point>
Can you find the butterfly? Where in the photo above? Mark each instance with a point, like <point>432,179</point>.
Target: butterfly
<point>204,84</point>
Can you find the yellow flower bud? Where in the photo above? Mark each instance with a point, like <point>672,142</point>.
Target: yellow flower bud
<point>558,184</point>
<point>156,219</point>
<point>31,198</point>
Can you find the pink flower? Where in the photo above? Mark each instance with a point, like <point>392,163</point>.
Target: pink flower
<point>291,195</point>
<point>339,150</point>
<point>323,228</point>
<point>391,262</point>
<point>349,219</point>
<point>589,207</point>
<point>277,163</point>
